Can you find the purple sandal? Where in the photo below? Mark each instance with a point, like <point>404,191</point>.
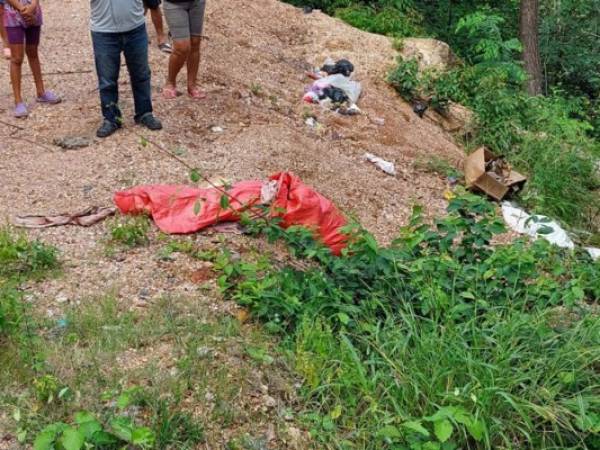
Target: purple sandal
<point>49,98</point>
<point>21,110</point>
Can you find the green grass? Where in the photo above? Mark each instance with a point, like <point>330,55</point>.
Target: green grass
<point>439,341</point>
<point>21,258</point>
<point>171,375</point>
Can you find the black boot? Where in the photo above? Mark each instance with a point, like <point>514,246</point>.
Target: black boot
<point>107,128</point>
<point>150,122</point>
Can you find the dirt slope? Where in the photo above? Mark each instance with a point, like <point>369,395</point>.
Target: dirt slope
<point>252,67</point>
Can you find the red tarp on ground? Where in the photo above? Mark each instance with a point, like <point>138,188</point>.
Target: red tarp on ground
<point>183,209</point>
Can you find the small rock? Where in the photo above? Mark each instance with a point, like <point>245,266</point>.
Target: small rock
<point>270,434</point>
<point>269,401</point>
<point>295,436</point>
<point>311,122</point>
<point>379,121</point>
<point>73,142</point>
<point>203,352</point>
<point>61,298</point>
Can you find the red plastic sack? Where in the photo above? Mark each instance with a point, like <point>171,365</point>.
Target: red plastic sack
<point>181,209</point>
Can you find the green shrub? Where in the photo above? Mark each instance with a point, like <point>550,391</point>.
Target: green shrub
<point>536,134</point>
<point>21,257</point>
<point>440,340</point>
<point>388,21</point>
<point>130,231</point>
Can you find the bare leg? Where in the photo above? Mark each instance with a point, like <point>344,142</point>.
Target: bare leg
<point>36,68</point>
<point>2,29</point>
<point>16,63</point>
<point>157,20</point>
<point>181,51</point>
<point>3,36</point>
<point>193,62</point>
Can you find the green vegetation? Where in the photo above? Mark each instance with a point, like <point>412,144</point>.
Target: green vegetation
<point>439,341</point>
<point>554,139</point>
<point>537,134</point>
<point>99,374</point>
<point>129,231</point>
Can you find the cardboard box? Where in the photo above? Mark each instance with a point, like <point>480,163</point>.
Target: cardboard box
<point>492,183</point>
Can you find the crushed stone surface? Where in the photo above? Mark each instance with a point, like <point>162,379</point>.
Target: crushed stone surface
<point>251,125</point>
<point>253,71</point>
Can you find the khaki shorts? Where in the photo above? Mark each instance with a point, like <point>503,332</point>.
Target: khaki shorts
<point>185,19</point>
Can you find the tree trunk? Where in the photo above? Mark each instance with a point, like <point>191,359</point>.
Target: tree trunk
<point>528,32</point>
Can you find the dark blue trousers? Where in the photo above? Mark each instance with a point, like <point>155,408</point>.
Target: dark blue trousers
<point>107,54</point>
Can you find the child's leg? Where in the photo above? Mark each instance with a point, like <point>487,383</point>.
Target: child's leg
<point>2,30</point>
<point>16,37</point>
<point>32,37</point>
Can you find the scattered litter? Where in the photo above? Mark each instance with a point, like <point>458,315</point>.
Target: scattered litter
<point>84,218</point>
<point>351,88</point>
<point>535,226</point>
<point>336,88</point>
<point>183,209</point>
<point>336,95</point>
<point>449,194</point>
<point>217,129</point>
<point>307,9</point>
<point>386,166</point>
<point>492,174</point>
<point>379,121</point>
<point>73,142</point>
<point>351,110</point>
<point>311,122</point>
<point>420,107</point>
<point>343,66</point>
<point>315,75</point>
<point>227,228</point>
<point>594,252</point>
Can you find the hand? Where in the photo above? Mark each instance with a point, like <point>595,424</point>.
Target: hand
<point>28,12</point>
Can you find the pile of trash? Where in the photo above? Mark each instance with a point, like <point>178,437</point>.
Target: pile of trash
<point>333,87</point>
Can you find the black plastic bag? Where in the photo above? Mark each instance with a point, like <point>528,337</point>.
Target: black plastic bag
<point>343,66</point>
<point>336,95</point>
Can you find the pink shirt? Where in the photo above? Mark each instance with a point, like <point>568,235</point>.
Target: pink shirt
<point>13,18</point>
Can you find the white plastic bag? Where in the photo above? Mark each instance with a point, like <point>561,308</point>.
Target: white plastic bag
<point>536,226</point>
<point>352,88</point>
<point>386,166</point>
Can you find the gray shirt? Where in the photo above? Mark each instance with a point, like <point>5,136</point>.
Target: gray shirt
<point>116,16</point>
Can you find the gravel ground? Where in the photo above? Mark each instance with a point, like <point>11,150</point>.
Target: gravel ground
<point>252,68</point>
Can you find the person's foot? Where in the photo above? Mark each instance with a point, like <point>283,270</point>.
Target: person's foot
<point>49,98</point>
<point>7,53</point>
<point>107,128</point>
<point>196,93</point>
<point>165,47</point>
<point>169,92</point>
<point>21,110</point>
<point>149,121</point>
